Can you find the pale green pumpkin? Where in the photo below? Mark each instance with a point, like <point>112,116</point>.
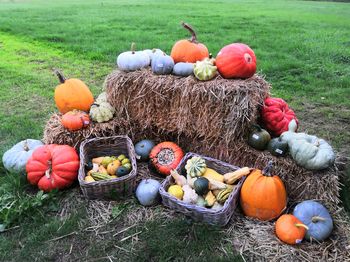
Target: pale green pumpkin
<point>205,70</point>
<point>101,110</point>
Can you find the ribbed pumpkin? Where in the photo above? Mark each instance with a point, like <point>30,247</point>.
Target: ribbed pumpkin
<point>72,94</point>
<point>75,120</point>
<point>236,61</point>
<point>53,167</point>
<point>189,51</point>
<point>263,196</point>
<point>165,157</point>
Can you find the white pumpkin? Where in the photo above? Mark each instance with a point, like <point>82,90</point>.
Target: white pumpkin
<point>308,151</point>
<point>147,192</point>
<point>133,60</point>
<point>153,53</point>
<point>15,159</point>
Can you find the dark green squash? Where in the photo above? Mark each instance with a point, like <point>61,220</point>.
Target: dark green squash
<point>258,138</point>
<point>277,147</point>
<point>122,171</point>
<point>201,186</point>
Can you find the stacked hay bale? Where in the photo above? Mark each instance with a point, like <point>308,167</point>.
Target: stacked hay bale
<point>213,118</point>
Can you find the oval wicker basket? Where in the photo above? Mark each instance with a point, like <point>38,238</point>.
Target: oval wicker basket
<point>214,217</point>
<point>114,188</point>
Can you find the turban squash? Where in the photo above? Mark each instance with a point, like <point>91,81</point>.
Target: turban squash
<point>263,195</point>
<point>53,167</point>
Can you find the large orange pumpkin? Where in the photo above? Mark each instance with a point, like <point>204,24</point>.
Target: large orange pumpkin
<point>189,51</point>
<point>263,195</point>
<point>165,157</point>
<point>290,229</point>
<point>75,120</point>
<point>72,94</point>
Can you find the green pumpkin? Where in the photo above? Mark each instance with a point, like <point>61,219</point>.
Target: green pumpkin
<point>277,147</point>
<point>201,186</point>
<point>258,138</point>
<point>205,70</point>
<point>122,171</point>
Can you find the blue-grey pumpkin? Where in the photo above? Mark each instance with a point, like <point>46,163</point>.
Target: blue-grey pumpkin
<point>316,217</point>
<point>183,69</point>
<point>162,64</point>
<point>143,148</point>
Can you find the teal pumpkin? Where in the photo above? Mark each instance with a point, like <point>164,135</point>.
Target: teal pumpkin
<point>201,186</point>
<point>277,147</point>
<point>183,69</point>
<point>122,171</point>
<point>143,149</point>
<point>258,138</point>
<point>162,64</point>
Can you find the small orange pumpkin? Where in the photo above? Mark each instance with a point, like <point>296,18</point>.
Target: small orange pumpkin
<point>75,120</point>
<point>165,157</point>
<point>72,94</point>
<point>189,51</point>
<point>290,229</point>
<point>263,195</point>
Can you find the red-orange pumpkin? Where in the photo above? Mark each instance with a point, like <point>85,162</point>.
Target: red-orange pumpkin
<point>189,51</point>
<point>53,166</point>
<point>263,195</point>
<point>165,157</point>
<point>290,229</point>
<point>236,61</point>
<point>75,120</point>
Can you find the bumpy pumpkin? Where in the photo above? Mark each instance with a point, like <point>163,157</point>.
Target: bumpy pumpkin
<point>290,229</point>
<point>101,110</point>
<point>162,64</point>
<point>263,195</point>
<point>75,120</point>
<point>165,157</point>
<point>183,69</point>
<point>316,217</point>
<point>258,138</point>
<point>205,70</point>
<point>72,94</point>
<point>276,115</point>
<point>15,159</point>
<point>308,151</point>
<point>236,61</point>
<point>189,51</point>
<point>53,166</point>
<point>133,60</point>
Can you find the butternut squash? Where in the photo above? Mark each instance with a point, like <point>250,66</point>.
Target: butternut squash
<point>232,177</point>
<point>211,173</point>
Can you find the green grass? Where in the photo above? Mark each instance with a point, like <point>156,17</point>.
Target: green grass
<point>303,48</point>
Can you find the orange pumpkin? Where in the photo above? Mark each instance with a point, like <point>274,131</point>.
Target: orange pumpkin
<point>75,120</point>
<point>72,94</point>
<point>189,51</point>
<point>290,229</point>
<point>263,195</point>
<point>165,157</point>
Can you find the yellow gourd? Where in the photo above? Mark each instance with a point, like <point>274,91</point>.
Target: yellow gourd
<point>211,173</point>
<point>232,177</point>
<point>210,199</point>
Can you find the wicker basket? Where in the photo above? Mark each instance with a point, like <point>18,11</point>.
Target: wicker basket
<point>214,217</point>
<point>114,188</point>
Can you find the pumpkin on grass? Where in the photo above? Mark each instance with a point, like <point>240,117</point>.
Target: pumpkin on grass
<point>263,195</point>
<point>72,94</point>
<point>236,61</point>
<point>189,51</point>
<point>290,229</point>
<point>53,167</point>
<point>165,157</point>
<point>75,120</point>
<point>15,159</point>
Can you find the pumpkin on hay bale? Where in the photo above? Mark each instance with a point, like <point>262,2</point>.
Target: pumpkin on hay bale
<point>219,108</point>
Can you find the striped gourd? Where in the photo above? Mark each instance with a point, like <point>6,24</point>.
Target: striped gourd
<point>100,176</point>
<point>195,166</point>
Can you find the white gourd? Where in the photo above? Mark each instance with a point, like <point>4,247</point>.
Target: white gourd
<point>133,60</point>
<point>101,110</point>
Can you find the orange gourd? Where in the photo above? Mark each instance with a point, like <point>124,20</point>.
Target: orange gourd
<point>263,196</point>
<point>189,51</point>
<point>290,229</point>
<point>72,94</point>
<point>75,120</point>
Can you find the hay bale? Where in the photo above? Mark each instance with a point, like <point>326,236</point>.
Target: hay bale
<point>219,108</point>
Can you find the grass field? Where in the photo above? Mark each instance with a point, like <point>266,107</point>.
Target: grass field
<point>302,47</point>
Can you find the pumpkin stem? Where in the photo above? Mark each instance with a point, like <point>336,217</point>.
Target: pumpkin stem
<point>316,219</point>
<point>60,76</point>
<point>133,48</point>
<point>302,225</point>
<point>292,126</point>
<point>256,126</point>
<point>267,170</point>
<point>94,104</point>
<point>189,28</point>
<point>25,146</point>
